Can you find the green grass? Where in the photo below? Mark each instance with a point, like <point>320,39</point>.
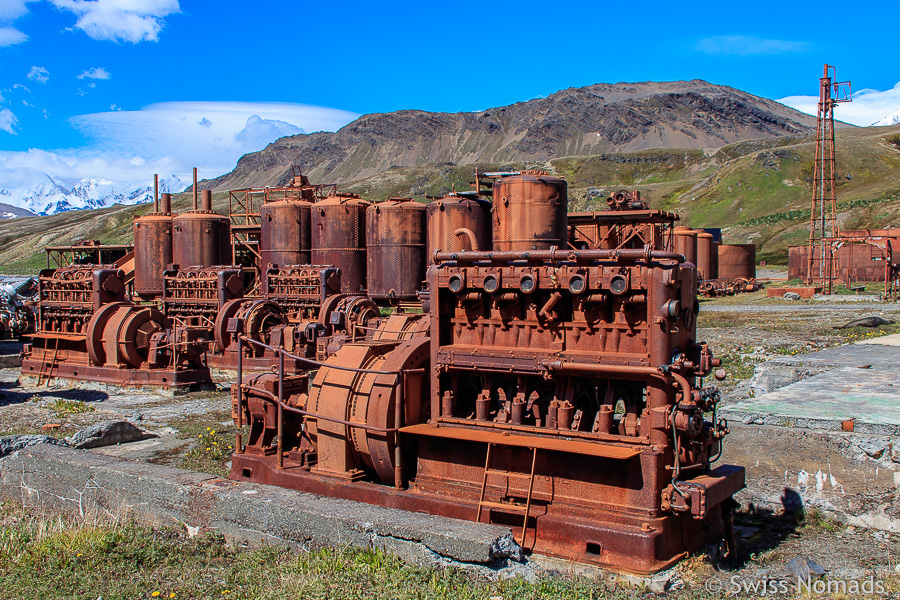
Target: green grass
<point>70,407</point>
<point>49,556</point>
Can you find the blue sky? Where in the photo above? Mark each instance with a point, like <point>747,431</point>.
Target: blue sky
<point>139,86</point>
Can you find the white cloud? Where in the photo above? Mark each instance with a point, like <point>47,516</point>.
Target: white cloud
<point>39,74</point>
<point>747,45</point>
<point>19,86</point>
<point>128,147</point>
<point>212,134</point>
<point>95,73</point>
<point>10,36</point>
<point>8,121</point>
<point>10,10</point>
<point>120,20</point>
<point>868,106</point>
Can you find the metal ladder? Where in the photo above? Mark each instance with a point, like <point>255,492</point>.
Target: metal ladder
<point>525,511</point>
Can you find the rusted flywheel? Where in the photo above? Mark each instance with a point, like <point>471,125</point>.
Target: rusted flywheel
<point>127,334</point>
<point>95,328</point>
<point>259,316</point>
<point>370,398</point>
<point>220,327</point>
<point>358,311</point>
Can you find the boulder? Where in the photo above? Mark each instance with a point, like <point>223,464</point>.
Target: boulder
<point>13,443</point>
<point>108,433</point>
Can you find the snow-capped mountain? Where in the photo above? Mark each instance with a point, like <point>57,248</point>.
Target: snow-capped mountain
<point>48,196</point>
<point>891,119</point>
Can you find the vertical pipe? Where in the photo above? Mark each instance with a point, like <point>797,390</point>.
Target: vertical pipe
<point>195,188</point>
<point>239,442</point>
<point>156,192</point>
<point>398,416</point>
<point>280,449</point>
<point>166,203</point>
<point>206,200</point>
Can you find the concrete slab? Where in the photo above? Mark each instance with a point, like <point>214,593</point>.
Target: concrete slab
<point>884,340</point>
<point>822,389</point>
<point>80,482</point>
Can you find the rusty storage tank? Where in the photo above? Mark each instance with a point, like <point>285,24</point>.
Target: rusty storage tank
<point>704,255</point>
<point>737,260</point>
<point>456,224</point>
<point>284,236</point>
<point>686,243</point>
<point>530,212</point>
<point>201,237</point>
<point>338,238</point>
<point>714,258</point>
<point>152,248</point>
<point>395,249</point>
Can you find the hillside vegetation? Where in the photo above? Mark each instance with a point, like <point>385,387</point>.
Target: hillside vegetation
<point>757,191</point>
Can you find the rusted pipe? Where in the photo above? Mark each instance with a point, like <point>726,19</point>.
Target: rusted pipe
<point>315,362</point>
<point>238,441</point>
<point>545,310</point>
<point>398,416</point>
<point>206,200</point>
<point>619,371</point>
<point>166,201</point>
<point>306,413</point>
<point>556,255</point>
<point>156,192</point>
<point>280,449</point>
<point>470,235</point>
<point>195,188</point>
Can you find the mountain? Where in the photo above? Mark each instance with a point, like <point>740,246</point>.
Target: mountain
<point>601,118</point>
<point>891,119</point>
<point>48,196</point>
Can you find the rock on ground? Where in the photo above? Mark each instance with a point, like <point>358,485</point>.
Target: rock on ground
<point>108,433</point>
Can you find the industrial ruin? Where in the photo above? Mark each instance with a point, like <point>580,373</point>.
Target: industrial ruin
<point>486,356</point>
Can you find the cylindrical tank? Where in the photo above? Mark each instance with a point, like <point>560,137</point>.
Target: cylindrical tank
<point>737,260</point>
<point>530,212</point>
<point>339,238</point>
<point>704,255</point>
<point>686,243</point>
<point>714,259</point>
<point>284,237</point>
<point>450,220</point>
<point>395,248</point>
<point>201,237</point>
<point>152,248</point>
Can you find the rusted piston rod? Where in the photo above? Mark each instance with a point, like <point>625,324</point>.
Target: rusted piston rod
<point>556,255</point>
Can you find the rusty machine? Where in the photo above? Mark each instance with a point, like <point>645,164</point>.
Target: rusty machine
<point>555,390</point>
<point>137,321</point>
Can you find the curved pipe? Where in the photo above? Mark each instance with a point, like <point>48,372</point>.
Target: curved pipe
<point>465,231</point>
<point>621,372</point>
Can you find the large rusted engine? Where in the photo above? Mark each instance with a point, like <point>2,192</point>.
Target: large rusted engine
<point>86,328</point>
<point>553,390</point>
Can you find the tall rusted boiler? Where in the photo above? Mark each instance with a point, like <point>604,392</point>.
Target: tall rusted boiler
<point>284,237</point>
<point>737,260</point>
<point>705,251</point>
<point>201,237</point>
<point>686,243</point>
<point>530,212</point>
<point>152,248</point>
<point>456,224</point>
<point>395,247</point>
<point>339,238</point>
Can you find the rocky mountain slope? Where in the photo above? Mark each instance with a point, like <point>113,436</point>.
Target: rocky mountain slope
<point>602,118</point>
